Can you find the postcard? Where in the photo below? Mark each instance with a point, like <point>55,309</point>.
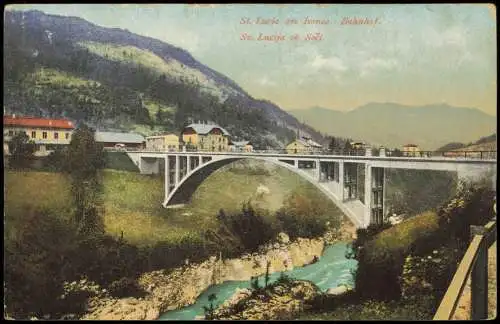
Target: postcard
<point>250,161</point>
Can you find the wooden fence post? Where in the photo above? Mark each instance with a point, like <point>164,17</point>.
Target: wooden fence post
<point>479,279</point>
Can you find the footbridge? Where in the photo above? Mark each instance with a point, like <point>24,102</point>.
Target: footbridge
<point>356,184</point>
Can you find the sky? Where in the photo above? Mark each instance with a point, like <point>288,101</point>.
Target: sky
<point>412,55</point>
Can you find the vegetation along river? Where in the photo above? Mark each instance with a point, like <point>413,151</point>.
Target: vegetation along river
<point>332,270</point>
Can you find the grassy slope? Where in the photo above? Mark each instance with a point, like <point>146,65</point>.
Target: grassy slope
<point>399,238</point>
<point>133,202</point>
<point>134,55</point>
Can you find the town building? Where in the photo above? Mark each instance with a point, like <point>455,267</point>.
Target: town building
<point>120,140</point>
<point>205,137</point>
<point>46,133</point>
<point>240,146</point>
<point>358,145</point>
<point>303,144</point>
<point>411,150</point>
<point>165,142</point>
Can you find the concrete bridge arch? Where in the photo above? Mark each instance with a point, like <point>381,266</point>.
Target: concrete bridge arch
<point>184,190</point>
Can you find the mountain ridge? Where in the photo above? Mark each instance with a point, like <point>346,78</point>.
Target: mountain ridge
<point>127,81</point>
<point>392,124</point>
<point>403,106</point>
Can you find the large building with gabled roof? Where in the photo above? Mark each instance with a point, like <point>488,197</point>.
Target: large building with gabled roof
<point>205,137</point>
<point>303,144</point>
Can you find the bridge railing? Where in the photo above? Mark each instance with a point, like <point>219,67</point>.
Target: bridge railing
<point>483,155</point>
<point>475,264</point>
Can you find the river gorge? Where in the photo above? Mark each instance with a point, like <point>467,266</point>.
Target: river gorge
<point>180,294</point>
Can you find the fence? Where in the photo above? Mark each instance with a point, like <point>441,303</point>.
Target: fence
<point>475,264</point>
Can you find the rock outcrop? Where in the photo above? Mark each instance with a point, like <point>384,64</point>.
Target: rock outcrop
<point>280,302</point>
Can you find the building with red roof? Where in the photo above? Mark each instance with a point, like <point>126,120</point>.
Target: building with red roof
<point>47,133</point>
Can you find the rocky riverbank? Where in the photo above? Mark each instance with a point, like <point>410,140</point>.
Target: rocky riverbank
<point>281,301</point>
<point>169,290</point>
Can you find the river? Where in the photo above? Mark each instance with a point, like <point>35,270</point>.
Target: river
<point>332,270</point>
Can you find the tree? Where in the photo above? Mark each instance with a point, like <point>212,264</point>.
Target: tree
<point>57,159</point>
<point>85,159</point>
<point>347,146</point>
<point>397,152</point>
<point>333,144</point>
<point>21,149</point>
<point>210,310</point>
<point>266,278</point>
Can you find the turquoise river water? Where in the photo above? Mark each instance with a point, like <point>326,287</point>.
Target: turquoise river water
<point>332,270</point>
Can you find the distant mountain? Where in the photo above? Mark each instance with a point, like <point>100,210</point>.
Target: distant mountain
<point>114,79</point>
<point>487,143</point>
<point>393,125</point>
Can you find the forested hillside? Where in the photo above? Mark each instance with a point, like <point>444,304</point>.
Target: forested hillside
<point>112,79</point>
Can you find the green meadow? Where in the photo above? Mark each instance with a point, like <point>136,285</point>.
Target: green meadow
<point>132,202</point>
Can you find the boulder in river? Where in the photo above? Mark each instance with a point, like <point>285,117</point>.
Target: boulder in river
<point>337,290</point>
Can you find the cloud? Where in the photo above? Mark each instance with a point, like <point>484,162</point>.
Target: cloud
<point>331,63</point>
<point>265,81</point>
<point>454,36</point>
<point>375,64</point>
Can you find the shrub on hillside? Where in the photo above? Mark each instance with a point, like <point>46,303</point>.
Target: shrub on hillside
<point>241,232</point>
<point>472,205</point>
<point>302,216</point>
<point>428,275</point>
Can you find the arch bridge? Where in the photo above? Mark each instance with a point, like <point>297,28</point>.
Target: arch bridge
<point>356,184</point>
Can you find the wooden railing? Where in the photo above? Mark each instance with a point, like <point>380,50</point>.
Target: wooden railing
<point>475,264</point>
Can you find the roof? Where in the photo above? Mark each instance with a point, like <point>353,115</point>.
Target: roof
<point>161,136</point>
<point>206,128</point>
<point>37,122</point>
<point>112,137</point>
<point>308,142</point>
<point>241,143</point>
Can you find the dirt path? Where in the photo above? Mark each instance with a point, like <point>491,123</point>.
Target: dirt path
<point>463,310</point>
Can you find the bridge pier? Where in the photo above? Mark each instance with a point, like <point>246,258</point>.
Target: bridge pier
<point>177,171</point>
<point>167,180</point>
<point>341,180</point>
<point>149,165</point>
<point>368,196</point>
<point>351,181</point>
<point>318,170</point>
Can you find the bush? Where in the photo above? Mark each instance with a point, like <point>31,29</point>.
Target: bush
<point>302,216</point>
<point>241,232</point>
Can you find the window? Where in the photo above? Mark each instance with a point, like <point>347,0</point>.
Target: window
<point>33,134</point>
<point>67,135</point>
<point>56,135</point>
<point>11,133</point>
<point>44,135</point>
